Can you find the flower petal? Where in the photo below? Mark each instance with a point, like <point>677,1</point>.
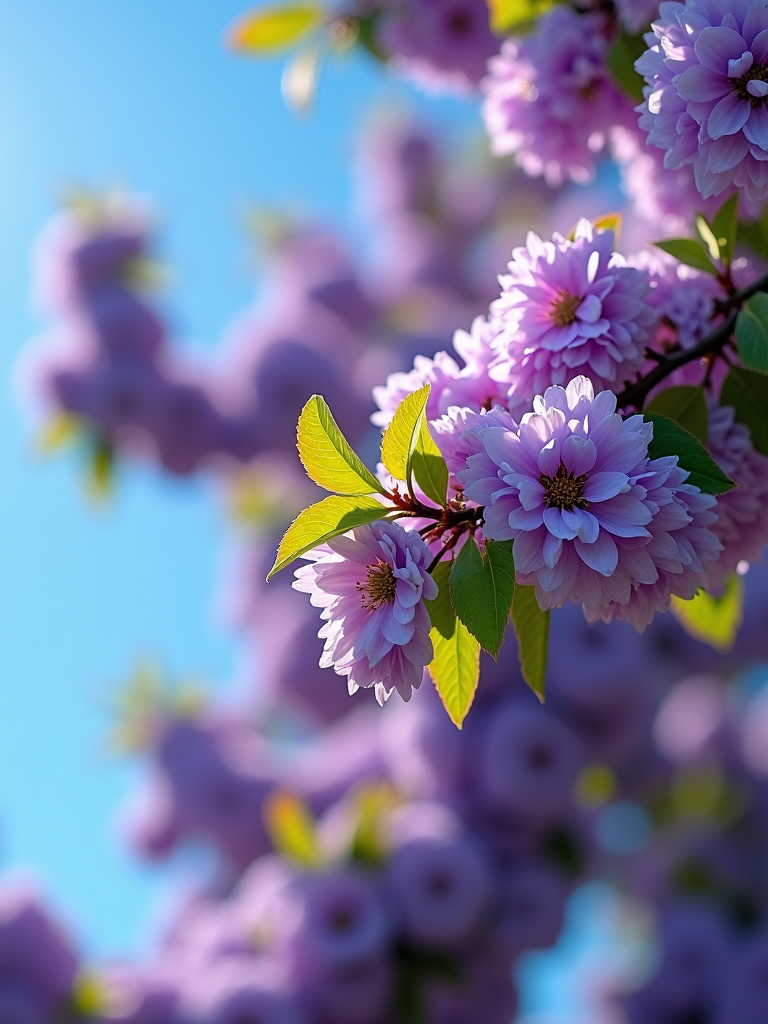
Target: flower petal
<point>602,555</point>
<point>728,116</point>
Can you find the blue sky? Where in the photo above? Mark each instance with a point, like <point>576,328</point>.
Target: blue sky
<point>145,95</point>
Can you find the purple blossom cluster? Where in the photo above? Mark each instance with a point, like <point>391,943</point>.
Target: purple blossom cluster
<point>550,99</point>
<point>705,98</point>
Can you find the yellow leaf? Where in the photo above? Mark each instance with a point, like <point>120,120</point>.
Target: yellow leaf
<point>272,29</point>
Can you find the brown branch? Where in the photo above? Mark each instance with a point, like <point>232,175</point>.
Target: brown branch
<point>634,395</point>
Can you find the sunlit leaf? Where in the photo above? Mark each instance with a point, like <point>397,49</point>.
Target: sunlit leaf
<point>752,333</point>
<point>57,433</point>
<point>508,16</point>
<point>531,626</point>
<point>747,392</point>
<point>300,79</point>
<point>330,517</point>
<point>429,466</point>
<point>609,222</point>
<point>708,237</point>
<point>713,620</point>
<point>689,251</point>
<point>669,438</point>
<point>292,830</point>
<point>403,433</point>
<point>481,587</point>
<point>327,455</point>
<point>270,30</point>
<point>685,405</point>
<point>725,227</point>
<point>455,667</point>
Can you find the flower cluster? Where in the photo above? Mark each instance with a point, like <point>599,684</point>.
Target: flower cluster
<point>705,101</point>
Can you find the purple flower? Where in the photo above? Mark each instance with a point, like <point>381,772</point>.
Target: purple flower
<point>635,15</point>
<point>527,763</point>
<point>569,307</point>
<point>592,517</point>
<point>372,586</point>
<point>470,387</point>
<point>530,905</point>
<point>440,888</point>
<point>705,102</point>
<point>666,198</point>
<point>742,525</point>
<point>550,98</point>
<point>442,44</point>
<point>459,434</point>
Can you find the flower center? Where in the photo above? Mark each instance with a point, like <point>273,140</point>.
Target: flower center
<point>380,586</point>
<point>563,309</point>
<point>753,85</point>
<point>564,490</point>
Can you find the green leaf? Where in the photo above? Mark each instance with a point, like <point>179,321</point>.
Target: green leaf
<point>752,333</point>
<point>429,466</point>
<point>622,55</point>
<point>403,434</point>
<point>532,630</point>
<point>725,227</point>
<point>481,588</point>
<point>685,405</point>
<point>320,522</point>
<point>689,251</point>
<point>713,620</point>
<point>455,667</point>
<point>327,455</point>
<point>292,830</point>
<point>747,392</point>
<point>514,16</point>
<point>669,438</point>
<point>754,233</point>
<point>270,30</point>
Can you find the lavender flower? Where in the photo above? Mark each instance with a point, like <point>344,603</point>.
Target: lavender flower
<point>372,586</point>
<point>469,387</point>
<point>459,434</point>
<point>635,15</point>
<point>568,307</point>
<point>550,99</point>
<point>742,525</point>
<point>592,517</point>
<point>705,101</point>
<point>442,44</point>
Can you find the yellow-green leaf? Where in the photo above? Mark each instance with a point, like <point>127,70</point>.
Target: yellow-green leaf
<point>270,30</point>
<point>57,433</point>
<point>516,15</point>
<point>713,620</point>
<point>429,466</point>
<point>327,455</point>
<point>532,630</point>
<point>609,222</point>
<point>402,434</point>
<point>328,518</point>
<point>455,667</point>
<point>292,830</point>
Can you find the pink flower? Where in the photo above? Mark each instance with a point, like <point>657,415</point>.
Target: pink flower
<point>592,517</point>
<point>569,307</point>
<point>372,585</point>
